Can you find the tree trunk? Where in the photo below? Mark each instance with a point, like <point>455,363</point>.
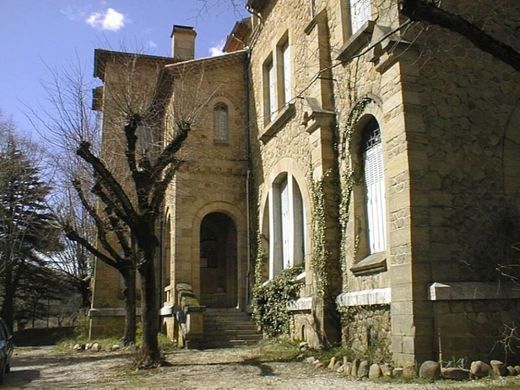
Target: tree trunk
<point>130,304</point>
<point>150,354</point>
<point>7,312</point>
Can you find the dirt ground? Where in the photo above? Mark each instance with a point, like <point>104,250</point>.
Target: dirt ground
<point>238,368</point>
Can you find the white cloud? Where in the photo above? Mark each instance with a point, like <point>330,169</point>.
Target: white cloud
<point>109,20</point>
<point>216,50</point>
<point>152,44</point>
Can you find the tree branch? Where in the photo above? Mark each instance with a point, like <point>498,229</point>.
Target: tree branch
<point>110,182</point>
<point>423,11</point>
<point>72,235</point>
<point>168,154</point>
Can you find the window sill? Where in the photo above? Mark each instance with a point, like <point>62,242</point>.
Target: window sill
<point>283,117</point>
<point>371,264</point>
<point>361,38</point>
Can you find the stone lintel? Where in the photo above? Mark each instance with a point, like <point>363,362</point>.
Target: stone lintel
<point>449,291</point>
<point>376,296</point>
<point>301,304</point>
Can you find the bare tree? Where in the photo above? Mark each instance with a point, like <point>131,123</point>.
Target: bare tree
<point>69,123</point>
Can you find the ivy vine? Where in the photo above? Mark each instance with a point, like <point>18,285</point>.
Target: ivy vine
<point>320,253</point>
<point>270,300</point>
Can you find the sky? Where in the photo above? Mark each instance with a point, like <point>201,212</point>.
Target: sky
<point>38,35</point>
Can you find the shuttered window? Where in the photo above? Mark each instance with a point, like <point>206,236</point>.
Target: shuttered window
<point>286,225</point>
<point>373,171</point>
<point>272,90</point>
<point>221,122</point>
<point>287,222</point>
<point>360,13</point>
<point>287,75</point>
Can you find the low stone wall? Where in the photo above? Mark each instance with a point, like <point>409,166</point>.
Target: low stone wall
<point>472,320</point>
<point>475,329</point>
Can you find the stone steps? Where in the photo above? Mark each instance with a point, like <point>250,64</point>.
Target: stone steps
<point>228,327</point>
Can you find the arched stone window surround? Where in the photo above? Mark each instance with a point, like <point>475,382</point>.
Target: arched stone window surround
<point>285,168</point>
<point>222,101</point>
<point>359,208</point>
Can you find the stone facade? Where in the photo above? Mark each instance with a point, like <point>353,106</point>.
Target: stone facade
<point>303,98</point>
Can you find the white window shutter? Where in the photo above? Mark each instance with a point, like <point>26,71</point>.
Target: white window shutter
<point>375,197</point>
<point>272,91</point>
<point>360,13</point>
<point>287,222</point>
<point>287,75</point>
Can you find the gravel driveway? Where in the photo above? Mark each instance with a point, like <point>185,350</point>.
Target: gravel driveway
<point>238,368</point>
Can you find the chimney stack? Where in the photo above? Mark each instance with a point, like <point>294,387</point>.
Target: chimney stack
<point>183,42</point>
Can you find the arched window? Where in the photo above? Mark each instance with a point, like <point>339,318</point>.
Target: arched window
<point>374,186</point>
<point>221,122</point>
<point>286,225</point>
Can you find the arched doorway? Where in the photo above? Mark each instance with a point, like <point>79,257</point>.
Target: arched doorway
<point>218,261</point>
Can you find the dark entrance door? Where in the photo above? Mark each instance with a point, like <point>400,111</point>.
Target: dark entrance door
<point>218,261</point>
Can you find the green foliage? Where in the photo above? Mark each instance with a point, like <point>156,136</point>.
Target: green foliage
<point>320,253</point>
<point>270,302</point>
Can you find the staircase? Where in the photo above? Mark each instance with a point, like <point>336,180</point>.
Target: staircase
<point>228,328</point>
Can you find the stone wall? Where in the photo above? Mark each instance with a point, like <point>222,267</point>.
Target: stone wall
<point>290,143</point>
<point>213,175</point>
<point>477,329</point>
<point>367,331</point>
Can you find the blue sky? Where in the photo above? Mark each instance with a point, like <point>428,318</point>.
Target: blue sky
<point>40,34</point>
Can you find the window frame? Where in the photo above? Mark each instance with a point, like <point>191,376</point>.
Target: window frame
<point>221,135</point>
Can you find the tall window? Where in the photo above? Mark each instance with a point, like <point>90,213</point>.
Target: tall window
<point>373,172</point>
<point>286,225</point>
<point>286,71</point>
<point>221,122</point>
<point>360,13</point>
<point>270,95</point>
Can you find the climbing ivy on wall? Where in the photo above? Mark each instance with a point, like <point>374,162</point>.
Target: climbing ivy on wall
<point>319,250</point>
<point>270,301</point>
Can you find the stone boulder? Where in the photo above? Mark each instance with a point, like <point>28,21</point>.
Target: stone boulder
<point>362,371</point>
<point>95,347</point>
<point>479,369</point>
<point>374,372</point>
<point>499,368</point>
<point>430,370</point>
<point>347,368</point>
<point>387,370</point>
<point>511,371</point>
<point>355,366</point>
<point>454,373</point>
<point>78,347</point>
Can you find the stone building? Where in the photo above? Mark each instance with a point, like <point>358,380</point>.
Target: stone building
<point>381,155</point>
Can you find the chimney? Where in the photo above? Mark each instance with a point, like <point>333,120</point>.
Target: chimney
<point>183,42</point>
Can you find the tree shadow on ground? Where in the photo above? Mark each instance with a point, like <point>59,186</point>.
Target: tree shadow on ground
<point>20,377</point>
<point>64,360</point>
<point>265,369</point>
